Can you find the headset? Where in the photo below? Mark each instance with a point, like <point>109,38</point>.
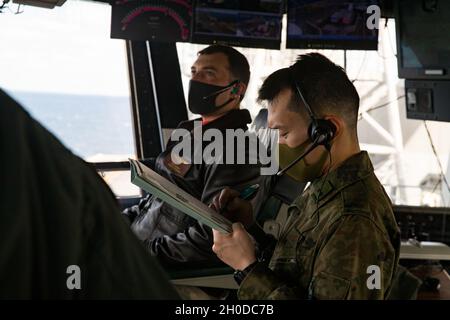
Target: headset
<point>320,131</point>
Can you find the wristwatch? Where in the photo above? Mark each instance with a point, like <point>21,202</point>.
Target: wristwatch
<point>239,275</point>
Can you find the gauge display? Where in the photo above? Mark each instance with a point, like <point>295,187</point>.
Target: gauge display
<point>152,20</point>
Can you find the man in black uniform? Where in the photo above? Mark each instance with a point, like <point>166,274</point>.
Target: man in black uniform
<point>61,235</point>
<point>220,76</point>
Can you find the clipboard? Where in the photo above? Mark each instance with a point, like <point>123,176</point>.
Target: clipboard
<point>147,179</point>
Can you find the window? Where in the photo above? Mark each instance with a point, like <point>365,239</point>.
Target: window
<point>399,148</point>
<point>62,66</point>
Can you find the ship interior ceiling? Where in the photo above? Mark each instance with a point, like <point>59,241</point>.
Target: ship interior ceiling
<point>403,120</point>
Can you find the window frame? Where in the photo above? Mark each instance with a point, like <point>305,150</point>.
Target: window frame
<point>148,64</point>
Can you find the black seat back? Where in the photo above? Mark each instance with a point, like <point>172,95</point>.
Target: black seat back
<point>279,191</point>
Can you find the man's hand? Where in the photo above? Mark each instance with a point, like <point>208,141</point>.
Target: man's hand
<point>232,207</point>
<point>236,249</point>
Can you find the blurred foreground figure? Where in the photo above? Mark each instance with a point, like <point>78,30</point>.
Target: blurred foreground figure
<point>61,236</point>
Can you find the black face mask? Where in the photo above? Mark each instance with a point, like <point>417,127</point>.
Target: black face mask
<point>202,96</point>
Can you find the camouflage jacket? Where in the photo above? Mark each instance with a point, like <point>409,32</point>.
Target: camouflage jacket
<point>337,229</point>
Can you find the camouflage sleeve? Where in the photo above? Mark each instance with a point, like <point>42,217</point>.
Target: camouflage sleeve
<point>357,262</point>
<point>263,284</point>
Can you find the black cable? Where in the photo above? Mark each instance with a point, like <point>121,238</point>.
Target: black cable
<point>390,40</point>
<point>437,184</point>
<point>18,10</point>
<point>381,106</point>
<point>385,104</point>
<point>390,43</point>
<point>436,155</point>
<point>3,5</point>
<point>361,67</point>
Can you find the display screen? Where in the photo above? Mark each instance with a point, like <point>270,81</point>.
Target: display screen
<point>330,24</point>
<point>153,20</point>
<point>424,38</point>
<point>245,23</point>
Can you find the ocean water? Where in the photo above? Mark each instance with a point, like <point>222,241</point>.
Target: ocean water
<point>88,125</point>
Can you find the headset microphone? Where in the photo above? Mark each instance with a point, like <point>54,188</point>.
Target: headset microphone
<point>215,93</point>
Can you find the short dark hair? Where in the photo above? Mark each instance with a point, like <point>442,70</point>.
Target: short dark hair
<point>239,67</point>
<point>324,85</point>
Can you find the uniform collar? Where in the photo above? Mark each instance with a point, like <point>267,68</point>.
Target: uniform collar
<point>352,170</point>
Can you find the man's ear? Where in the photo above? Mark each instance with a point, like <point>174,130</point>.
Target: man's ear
<point>239,90</point>
<point>338,124</point>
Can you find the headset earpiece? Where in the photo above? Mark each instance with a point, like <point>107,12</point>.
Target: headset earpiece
<point>234,90</point>
<point>322,131</point>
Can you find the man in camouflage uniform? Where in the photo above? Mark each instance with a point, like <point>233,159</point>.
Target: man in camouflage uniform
<point>341,240</point>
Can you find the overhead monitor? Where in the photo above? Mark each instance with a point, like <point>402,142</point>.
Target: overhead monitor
<point>330,24</point>
<point>423,39</point>
<point>244,23</point>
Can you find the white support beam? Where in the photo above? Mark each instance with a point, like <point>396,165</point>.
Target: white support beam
<point>378,128</point>
<point>395,125</point>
